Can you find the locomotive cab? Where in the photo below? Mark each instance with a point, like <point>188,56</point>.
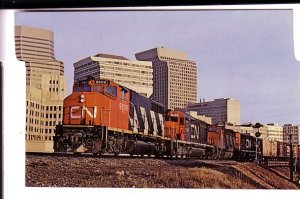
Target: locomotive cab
<point>175,125</point>
<point>90,113</point>
<point>97,102</point>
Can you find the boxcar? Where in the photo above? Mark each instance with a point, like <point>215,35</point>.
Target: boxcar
<point>281,150</point>
<point>295,150</point>
<point>269,149</point>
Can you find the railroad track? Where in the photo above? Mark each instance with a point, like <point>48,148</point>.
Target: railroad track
<point>125,156</point>
<point>105,155</point>
<point>121,156</point>
<point>75,155</point>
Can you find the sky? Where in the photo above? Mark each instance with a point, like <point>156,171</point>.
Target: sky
<point>243,54</point>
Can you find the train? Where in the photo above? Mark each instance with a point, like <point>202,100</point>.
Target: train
<point>103,117</point>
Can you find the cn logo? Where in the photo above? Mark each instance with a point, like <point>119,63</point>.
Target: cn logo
<point>79,112</point>
<point>248,143</point>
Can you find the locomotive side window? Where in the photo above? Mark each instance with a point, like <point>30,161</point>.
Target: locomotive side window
<point>174,119</point>
<point>97,88</point>
<point>123,94</point>
<point>181,121</point>
<point>111,90</point>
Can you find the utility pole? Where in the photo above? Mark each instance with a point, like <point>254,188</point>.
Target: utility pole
<point>298,165</point>
<point>291,158</point>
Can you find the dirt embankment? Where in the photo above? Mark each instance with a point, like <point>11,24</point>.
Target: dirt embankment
<point>50,171</point>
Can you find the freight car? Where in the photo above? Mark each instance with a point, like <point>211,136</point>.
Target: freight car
<point>281,151</point>
<point>278,151</point>
<point>101,116</point>
<point>270,150</point>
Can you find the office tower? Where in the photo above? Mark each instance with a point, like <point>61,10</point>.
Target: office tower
<point>135,75</point>
<point>275,132</point>
<point>45,85</point>
<point>291,131</point>
<point>174,76</point>
<point>221,110</point>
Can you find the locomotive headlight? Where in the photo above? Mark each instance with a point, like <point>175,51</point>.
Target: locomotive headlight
<point>81,98</point>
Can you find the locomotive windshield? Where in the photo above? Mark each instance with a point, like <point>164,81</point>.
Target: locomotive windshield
<point>82,86</point>
<point>171,118</point>
<point>97,88</point>
<point>85,88</point>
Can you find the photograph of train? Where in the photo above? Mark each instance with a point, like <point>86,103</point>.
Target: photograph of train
<point>159,100</point>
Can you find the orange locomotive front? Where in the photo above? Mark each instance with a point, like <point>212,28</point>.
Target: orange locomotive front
<point>175,125</point>
<point>97,102</point>
<point>93,117</point>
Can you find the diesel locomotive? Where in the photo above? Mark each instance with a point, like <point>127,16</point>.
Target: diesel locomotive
<point>101,116</point>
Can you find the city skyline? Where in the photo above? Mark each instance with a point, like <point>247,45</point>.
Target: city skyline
<point>239,54</point>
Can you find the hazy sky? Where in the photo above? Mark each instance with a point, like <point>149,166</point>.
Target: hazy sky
<point>246,55</point>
